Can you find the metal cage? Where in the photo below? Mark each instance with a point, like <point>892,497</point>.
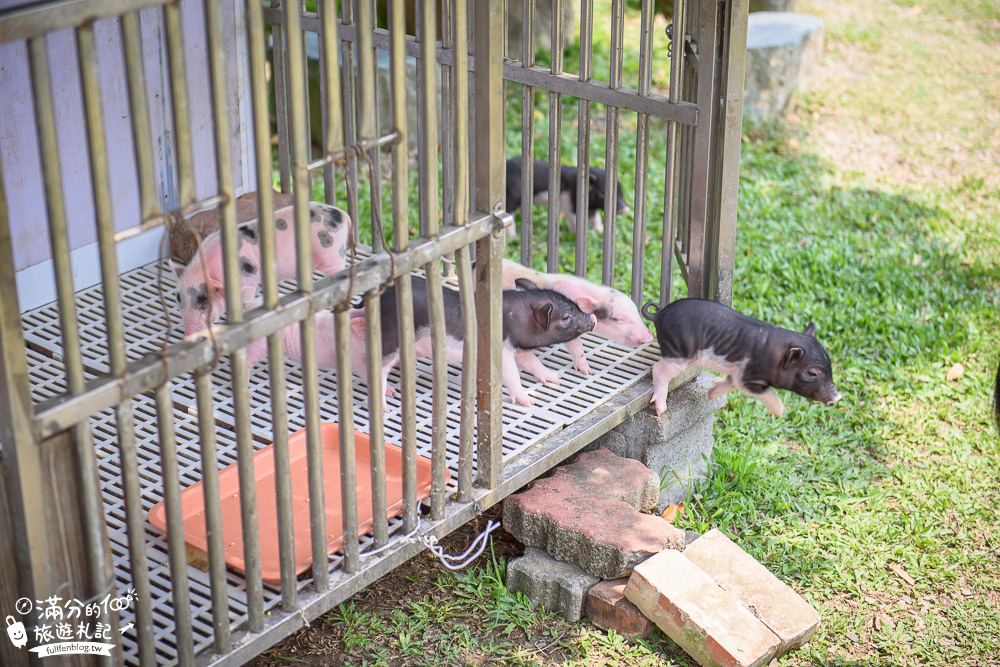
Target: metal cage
<point>105,409</point>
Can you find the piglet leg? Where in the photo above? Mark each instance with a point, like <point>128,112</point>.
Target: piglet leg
<point>575,349</point>
<point>597,222</point>
<point>721,387</point>
<point>512,379</point>
<point>664,371</point>
<point>770,398</point>
<point>527,360</point>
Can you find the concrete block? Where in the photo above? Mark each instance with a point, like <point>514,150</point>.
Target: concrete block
<point>772,5</point>
<point>608,608</point>
<point>550,584</point>
<point>783,51</point>
<point>676,446</point>
<point>708,622</point>
<point>541,25</point>
<point>580,518</point>
<point>779,607</point>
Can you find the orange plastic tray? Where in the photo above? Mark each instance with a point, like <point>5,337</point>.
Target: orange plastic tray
<point>193,501</point>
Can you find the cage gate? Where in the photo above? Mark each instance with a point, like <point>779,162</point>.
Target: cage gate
<point>106,409</point>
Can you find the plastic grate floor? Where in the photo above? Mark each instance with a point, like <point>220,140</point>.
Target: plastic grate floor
<point>613,367</point>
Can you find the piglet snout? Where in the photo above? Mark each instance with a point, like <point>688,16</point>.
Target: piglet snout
<point>593,322</point>
<point>834,398</point>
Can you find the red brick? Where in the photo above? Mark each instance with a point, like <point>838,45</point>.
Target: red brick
<point>708,622</point>
<point>779,607</point>
<point>607,474</point>
<point>607,608</point>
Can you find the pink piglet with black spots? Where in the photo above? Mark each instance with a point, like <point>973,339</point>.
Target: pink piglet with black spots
<point>201,284</point>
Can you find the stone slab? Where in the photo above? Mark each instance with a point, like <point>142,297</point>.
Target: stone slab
<point>779,607</point>
<point>550,584</point>
<point>783,52</point>
<point>708,622</point>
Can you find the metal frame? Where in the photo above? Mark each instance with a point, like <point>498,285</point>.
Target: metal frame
<point>702,113</point>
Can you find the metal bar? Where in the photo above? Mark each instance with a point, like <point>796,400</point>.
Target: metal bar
<point>368,110</point>
<point>213,511</point>
<point>555,138</point>
<point>141,133</point>
<point>111,288</point>
<point>642,152</point>
<point>460,89</point>
<point>349,114</point>
<point>38,18</point>
<point>701,215</point>
<point>234,314</point>
<point>333,131</point>
<point>527,134</point>
<point>655,105</point>
<point>345,415</point>
<point>401,244</point>
<point>92,509</point>
<point>160,218</point>
<point>310,368</point>
<point>281,96</point>
<point>731,121</point>
<point>583,138</point>
<point>366,144</point>
<point>611,145</point>
<point>428,147</point>
<point>23,470</point>
<point>268,266</point>
<point>179,102</point>
<point>376,432</point>
<point>670,165</point>
<point>448,115</point>
<point>467,295</point>
<point>58,414</point>
<point>488,196</point>
<point>175,526</point>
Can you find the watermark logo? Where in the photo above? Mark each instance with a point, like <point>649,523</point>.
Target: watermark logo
<point>70,626</point>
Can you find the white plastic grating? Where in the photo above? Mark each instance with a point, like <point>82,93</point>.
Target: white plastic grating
<point>613,368</point>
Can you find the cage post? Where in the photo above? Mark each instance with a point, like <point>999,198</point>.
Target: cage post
<point>730,124</point>
<point>701,217</point>
<point>488,196</point>
<point>25,564</point>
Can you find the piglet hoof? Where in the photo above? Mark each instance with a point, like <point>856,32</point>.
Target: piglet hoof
<point>549,378</point>
<point>659,404</point>
<point>390,391</point>
<point>522,398</point>
<point>582,366</point>
<point>599,227</point>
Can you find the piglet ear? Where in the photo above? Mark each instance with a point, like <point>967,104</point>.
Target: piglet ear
<point>543,314</point>
<point>793,354</point>
<point>525,284</point>
<point>358,326</point>
<point>593,179</point>
<point>586,304</point>
<point>177,267</point>
<point>810,330</point>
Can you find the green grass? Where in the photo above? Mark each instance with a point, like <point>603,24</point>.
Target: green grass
<point>899,266</point>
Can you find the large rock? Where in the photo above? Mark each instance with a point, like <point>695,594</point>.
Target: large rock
<point>783,51</point>
<point>772,5</point>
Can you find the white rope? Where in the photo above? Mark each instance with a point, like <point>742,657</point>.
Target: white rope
<point>450,561</point>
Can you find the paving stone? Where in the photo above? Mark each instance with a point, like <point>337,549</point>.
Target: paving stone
<point>779,607</point>
<point>577,518</point>
<point>607,608</point>
<point>604,473</point>
<point>707,621</point>
<point>550,584</point>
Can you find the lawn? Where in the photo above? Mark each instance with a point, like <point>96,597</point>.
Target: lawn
<point>875,212</point>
